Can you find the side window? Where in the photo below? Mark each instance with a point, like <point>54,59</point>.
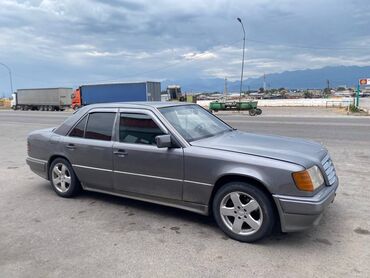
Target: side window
<point>100,126</point>
<point>138,128</point>
<point>78,130</point>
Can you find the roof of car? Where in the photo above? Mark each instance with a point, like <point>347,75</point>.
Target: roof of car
<point>154,104</point>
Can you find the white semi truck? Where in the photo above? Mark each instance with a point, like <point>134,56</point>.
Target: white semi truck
<point>48,99</point>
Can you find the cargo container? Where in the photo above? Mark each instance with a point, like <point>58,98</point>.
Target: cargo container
<point>53,99</point>
<point>116,92</point>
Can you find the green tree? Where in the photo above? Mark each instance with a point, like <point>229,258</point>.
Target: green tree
<point>326,92</point>
<point>307,94</point>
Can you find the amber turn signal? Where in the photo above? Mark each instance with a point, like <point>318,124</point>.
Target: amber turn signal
<point>308,180</point>
<point>303,181</point>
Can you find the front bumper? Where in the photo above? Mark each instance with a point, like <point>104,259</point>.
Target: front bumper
<point>38,166</point>
<point>300,213</point>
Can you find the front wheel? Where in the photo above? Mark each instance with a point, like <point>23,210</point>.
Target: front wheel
<point>243,212</point>
<point>63,179</point>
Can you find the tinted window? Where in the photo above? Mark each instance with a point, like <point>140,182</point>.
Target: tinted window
<point>138,128</point>
<point>78,130</point>
<point>100,126</point>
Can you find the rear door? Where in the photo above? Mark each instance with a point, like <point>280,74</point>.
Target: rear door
<point>139,165</point>
<point>89,148</point>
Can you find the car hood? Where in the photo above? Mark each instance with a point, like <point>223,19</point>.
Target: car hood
<point>294,150</point>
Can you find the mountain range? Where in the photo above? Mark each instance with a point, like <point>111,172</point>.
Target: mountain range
<point>298,79</point>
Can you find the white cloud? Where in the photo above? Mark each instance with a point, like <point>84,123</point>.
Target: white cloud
<point>74,41</point>
<point>207,55</point>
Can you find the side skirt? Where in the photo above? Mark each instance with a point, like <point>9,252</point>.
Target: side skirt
<point>193,207</point>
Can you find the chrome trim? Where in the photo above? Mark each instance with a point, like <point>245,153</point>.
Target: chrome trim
<point>197,182</point>
<point>92,168</point>
<point>141,175</point>
<point>329,169</point>
<point>37,160</point>
<point>148,176</point>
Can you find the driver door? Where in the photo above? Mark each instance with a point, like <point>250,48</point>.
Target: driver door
<point>139,165</point>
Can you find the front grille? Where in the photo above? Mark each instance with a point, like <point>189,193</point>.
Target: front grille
<point>331,175</point>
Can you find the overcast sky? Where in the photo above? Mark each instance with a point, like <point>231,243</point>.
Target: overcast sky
<point>69,42</point>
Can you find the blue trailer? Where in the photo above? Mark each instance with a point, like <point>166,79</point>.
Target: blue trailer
<point>116,92</point>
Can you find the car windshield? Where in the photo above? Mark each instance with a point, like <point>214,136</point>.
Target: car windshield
<point>194,122</point>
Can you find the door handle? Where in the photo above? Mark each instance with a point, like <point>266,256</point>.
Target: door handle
<point>120,153</point>
<point>71,146</point>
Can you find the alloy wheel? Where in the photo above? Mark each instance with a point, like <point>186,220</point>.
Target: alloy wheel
<point>241,213</point>
<point>61,177</point>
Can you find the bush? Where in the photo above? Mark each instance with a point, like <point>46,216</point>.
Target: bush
<point>353,108</point>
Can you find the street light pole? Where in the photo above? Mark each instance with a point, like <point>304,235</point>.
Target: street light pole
<point>10,77</point>
<point>241,77</point>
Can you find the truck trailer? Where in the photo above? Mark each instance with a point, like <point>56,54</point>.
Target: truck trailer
<point>48,99</point>
<point>116,92</point>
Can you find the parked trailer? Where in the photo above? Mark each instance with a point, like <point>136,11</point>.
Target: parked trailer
<point>50,99</point>
<point>251,106</point>
<point>116,92</point>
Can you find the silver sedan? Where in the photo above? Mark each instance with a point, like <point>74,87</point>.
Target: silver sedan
<point>181,155</point>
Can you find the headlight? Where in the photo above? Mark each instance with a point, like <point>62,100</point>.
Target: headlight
<point>308,180</point>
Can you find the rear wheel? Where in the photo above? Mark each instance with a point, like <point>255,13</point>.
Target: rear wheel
<point>252,112</point>
<point>63,179</point>
<point>243,212</point>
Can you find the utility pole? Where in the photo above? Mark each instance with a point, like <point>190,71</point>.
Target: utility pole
<point>264,82</point>
<point>241,77</point>
<point>10,77</point>
<point>327,88</point>
<point>225,89</point>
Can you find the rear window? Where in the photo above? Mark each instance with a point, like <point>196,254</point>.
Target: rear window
<point>100,126</point>
<point>66,126</point>
<point>79,129</point>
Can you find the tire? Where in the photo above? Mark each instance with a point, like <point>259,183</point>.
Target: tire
<point>255,208</point>
<point>65,184</point>
<point>252,112</point>
<point>259,111</point>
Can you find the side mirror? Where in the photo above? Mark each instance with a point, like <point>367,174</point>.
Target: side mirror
<point>163,141</point>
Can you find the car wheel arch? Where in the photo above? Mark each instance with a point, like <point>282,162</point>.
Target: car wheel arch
<point>245,179</point>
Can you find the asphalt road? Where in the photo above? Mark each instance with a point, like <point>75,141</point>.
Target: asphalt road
<point>98,235</point>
